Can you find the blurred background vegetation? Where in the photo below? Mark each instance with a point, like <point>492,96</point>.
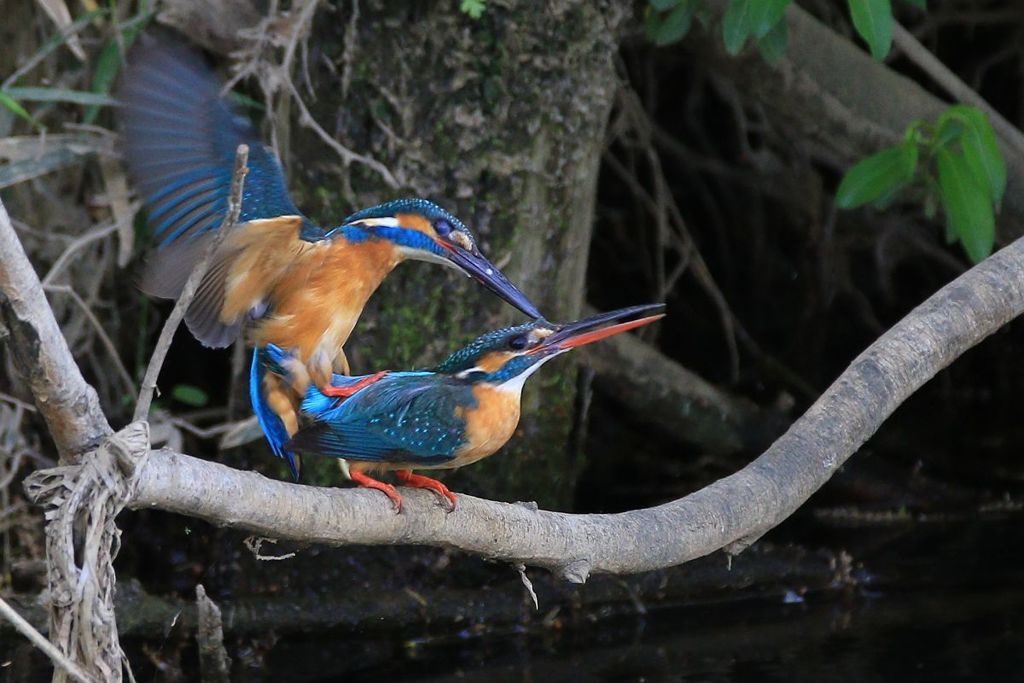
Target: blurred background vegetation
<point>686,151</point>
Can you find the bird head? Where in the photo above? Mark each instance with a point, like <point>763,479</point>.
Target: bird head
<point>423,231</point>
<point>507,357</point>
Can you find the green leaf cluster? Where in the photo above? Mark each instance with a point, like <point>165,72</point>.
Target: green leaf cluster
<point>955,164</point>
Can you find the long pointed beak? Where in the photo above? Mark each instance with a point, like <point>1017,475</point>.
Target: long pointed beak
<point>484,272</point>
<point>600,326</point>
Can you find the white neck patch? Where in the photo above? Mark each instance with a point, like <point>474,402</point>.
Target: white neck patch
<point>515,385</point>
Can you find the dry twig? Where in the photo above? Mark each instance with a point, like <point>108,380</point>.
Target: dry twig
<point>39,640</point>
<point>163,343</point>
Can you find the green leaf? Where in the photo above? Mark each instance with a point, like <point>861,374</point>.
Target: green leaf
<point>766,15</point>
<point>665,30</point>
<point>664,5</point>
<point>981,150</point>
<point>949,131</point>
<point>60,95</point>
<point>473,8</point>
<point>773,44</point>
<point>873,178</point>
<point>736,25</point>
<point>873,21</point>
<point>108,63</point>
<point>190,395</point>
<point>10,103</point>
<point>967,205</point>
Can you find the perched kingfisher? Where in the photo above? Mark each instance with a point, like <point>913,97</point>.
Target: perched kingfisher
<point>301,286</point>
<point>462,410</point>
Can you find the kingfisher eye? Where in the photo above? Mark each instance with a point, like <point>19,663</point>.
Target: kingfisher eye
<point>519,342</point>
<point>442,227</point>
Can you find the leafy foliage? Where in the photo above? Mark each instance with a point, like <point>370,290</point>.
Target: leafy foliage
<point>955,163</point>
<point>473,8</point>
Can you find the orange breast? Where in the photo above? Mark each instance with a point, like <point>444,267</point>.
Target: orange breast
<point>318,301</point>
<point>489,426</point>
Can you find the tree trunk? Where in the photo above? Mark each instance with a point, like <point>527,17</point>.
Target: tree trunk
<point>500,120</point>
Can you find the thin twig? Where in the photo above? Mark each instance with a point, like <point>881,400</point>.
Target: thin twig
<point>104,338</point>
<point>39,640</point>
<point>78,243</point>
<point>156,362</point>
<point>951,83</point>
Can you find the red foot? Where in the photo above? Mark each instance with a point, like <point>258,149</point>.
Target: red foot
<point>371,483</point>
<point>345,392</point>
<point>417,481</point>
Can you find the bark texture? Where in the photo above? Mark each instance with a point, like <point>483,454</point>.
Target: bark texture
<point>502,120</point>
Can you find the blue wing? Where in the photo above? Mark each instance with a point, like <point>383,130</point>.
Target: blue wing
<point>179,141</point>
<point>403,418</point>
<point>180,138</point>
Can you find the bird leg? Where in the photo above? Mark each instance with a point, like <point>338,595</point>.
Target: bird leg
<point>420,482</point>
<point>345,392</point>
<point>387,489</point>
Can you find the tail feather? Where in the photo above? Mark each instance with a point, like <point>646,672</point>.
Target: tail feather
<point>271,358</point>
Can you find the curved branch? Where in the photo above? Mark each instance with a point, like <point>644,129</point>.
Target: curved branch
<point>730,513</point>
<point>69,404</point>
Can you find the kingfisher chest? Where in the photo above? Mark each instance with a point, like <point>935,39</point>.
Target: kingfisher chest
<point>490,425</point>
<point>317,303</point>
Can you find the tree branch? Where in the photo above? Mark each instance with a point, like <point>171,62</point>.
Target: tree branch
<point>730,513</point>
<point>69,405</point>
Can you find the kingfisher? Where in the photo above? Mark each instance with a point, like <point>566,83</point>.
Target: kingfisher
<point>462,410</point>
<point>298,285</point>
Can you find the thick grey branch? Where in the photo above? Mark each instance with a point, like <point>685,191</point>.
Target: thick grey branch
<point>70,406</point>
<point>727,513</point>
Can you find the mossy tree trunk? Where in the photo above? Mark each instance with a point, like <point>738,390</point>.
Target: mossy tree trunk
<point>500,120</point>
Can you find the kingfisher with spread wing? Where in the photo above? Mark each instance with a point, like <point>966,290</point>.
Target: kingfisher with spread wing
<point>299,285</point>
<point>463,410</point>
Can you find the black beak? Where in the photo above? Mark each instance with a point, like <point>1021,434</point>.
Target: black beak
<point>484,272</point>
<point>600,326</point>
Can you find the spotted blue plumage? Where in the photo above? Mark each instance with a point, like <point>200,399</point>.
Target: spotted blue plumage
<point>407,417</point>
<point>496,340</point>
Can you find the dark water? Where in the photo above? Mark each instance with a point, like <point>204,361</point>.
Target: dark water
<point>934,602</point>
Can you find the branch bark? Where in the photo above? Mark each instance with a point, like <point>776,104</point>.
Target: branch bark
<point>69,405</point>
<point>730,514</point>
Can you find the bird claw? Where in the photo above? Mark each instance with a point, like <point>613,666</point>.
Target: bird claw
<point>387,489</point>
<point>420,482</point>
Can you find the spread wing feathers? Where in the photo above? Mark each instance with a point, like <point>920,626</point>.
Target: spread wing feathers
<point>404,418</point>
<point>165,276</point>
<point>180,138</point>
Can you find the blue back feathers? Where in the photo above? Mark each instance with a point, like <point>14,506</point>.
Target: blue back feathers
<point>407,417</point>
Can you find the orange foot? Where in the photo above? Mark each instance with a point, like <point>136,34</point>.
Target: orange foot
<point>345,392</point>
<point>371,483</point>
<point>420,482</point>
